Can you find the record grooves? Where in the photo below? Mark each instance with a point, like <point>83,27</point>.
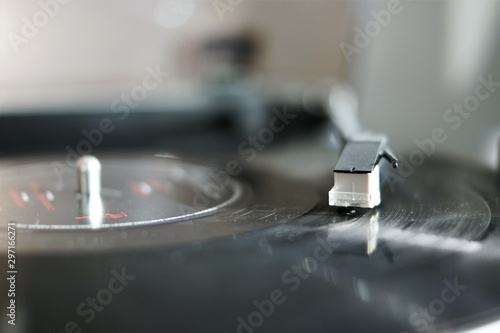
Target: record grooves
<point>436,229</point>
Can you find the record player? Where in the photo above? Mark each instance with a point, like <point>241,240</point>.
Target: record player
<point>236,204</point>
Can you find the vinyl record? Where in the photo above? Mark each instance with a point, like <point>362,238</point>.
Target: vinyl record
<point>196,249</point>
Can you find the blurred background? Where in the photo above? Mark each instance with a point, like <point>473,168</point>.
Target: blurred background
<point>409,61</point>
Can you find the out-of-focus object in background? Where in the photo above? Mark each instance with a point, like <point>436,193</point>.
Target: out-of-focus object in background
<point>426,60</point>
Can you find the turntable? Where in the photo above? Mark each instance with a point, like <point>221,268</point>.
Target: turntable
<point>233,207</point>
<point>258,249</point>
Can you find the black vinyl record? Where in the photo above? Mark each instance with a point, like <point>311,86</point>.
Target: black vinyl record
<point>186,248</point>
